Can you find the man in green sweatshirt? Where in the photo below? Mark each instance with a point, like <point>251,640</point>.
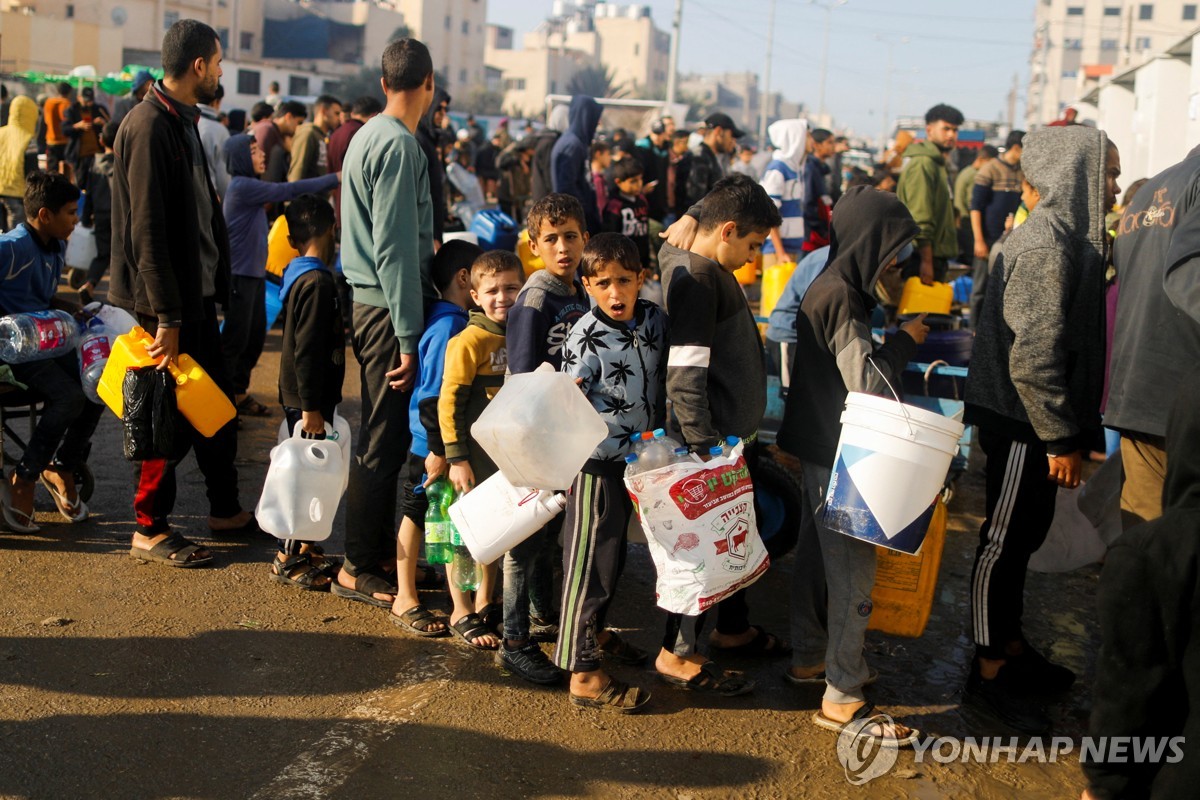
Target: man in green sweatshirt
<point>387,244</point>
<point>924,189</point>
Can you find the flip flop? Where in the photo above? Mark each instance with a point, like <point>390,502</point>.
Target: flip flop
<point>764,644</point>
<point>173,545</point>
<point>863,719</point>
<point>74,512</point>
<point>414,618</point>
<point>366,585</point>
<point>711,678</point>
<point>617,697</point>
<point>18,521</point>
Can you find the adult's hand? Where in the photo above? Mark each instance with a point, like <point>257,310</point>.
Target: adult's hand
<point>1064,470</point>
<point>401,377</point>
<point>927,271</point>
<point>165,346</point>
<point>682,232</point>
<point>981,249</point>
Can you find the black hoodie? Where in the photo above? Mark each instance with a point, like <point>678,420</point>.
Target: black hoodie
<point>1148,669</point>
<point>427,138</point>
<point>834,349</point>
<point>570,158</point>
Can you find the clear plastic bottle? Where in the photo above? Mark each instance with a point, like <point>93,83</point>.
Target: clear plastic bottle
<point>716,451</point>
<point>37,335</point>
<point>659,451</point>
<point>438,527</point>
<point>730,443</point>
<point>463,570</point>
<point>94,348</point>
<point>632,467</point>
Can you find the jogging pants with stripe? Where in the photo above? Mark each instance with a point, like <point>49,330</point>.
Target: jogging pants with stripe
<point>1020,508</point>
<point>594,539</point>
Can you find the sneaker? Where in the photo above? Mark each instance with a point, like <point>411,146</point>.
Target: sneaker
<point>529,662</point>
<point>542,630</point>
<point>1036,674</point>
<point>998,699</point>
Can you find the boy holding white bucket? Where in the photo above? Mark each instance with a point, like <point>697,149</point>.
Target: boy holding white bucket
<point>1034,389</point>
<point>834,355</point>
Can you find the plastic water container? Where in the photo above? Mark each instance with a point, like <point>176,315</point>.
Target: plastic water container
<point>200,400</point>
<point>94,347</point>
<point>495,229</point>
<point>301,493</point>
<point>531,262</point>
<point>905,584</point>
<point>337,431</point>
<point>496,516</point>
<point>81,248</point>
<point>117,320</point>
<point>918,298</point>
<point>774,281</point>
<point>279,252</point>
<point>37,335</point>
<point>747,274</point>
<point>891,462</point>
<point>539,429</point>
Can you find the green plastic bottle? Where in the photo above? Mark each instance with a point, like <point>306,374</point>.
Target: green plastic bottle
<point>439,530</point>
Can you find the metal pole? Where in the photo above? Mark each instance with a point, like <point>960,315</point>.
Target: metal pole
<point>887,102</point>
<point>673,70</point>
<point>824,64</point>
<point>765,95</point>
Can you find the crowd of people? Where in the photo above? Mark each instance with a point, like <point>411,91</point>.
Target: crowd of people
<point>185,194</point>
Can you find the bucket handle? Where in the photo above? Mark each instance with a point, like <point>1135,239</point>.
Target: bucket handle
<point>912,434</point>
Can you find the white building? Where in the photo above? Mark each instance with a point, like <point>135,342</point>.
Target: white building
<point>1077,43</point>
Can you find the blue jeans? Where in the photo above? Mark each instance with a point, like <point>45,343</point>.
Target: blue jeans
<point>527,574</point>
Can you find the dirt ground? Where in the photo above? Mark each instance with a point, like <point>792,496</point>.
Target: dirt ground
<point>125,680</point>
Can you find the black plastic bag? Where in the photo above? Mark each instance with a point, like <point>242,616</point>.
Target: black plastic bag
<point>151,422</point>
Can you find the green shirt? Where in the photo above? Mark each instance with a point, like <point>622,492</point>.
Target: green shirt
<point>387,225</point>
<point>962,191</point>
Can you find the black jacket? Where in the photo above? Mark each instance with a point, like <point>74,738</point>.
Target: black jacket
<point>97,200</point>
<point>703,173</point>
<point>155,263</point>
<point>834,352</point>
<point>312,364</point>
<point>1148,670</point>
<point>427,138</point>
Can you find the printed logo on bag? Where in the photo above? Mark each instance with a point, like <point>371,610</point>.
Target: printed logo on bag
<point>733,545</point>
<point>701,492</point>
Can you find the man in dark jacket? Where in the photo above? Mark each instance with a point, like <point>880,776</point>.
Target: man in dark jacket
<point>720,138</point>
<point>1148,670</point>
<point>1157,335</point>
<point>570,161</point>
<point>170,267</point>
<point>654,151</point>
<point>541,181</point>
<point>831,585</point>
<point>428,137</point>
<point>1037,372</point>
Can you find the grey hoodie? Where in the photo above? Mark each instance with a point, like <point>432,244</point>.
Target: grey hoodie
<point>1037,369</point>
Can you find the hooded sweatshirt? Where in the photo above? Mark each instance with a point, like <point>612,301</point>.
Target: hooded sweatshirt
<point>245,217</point>
<point>213,136</point>
<point>924,188</point>
<point>541,181</point>
<point>834,350</point>
<point>1157,335</point>
<point>14,141</point>
<point>444,321</point>
<point>783,183</point>
<point>427,137</point>
<point>1037,368</point>
<point>29,270</point>
<point>1148,669</point>
<point>313,359</point>
<point>716,376</point>
<point>538,324</point>
<point>475,365</point>
<point>570,160</point>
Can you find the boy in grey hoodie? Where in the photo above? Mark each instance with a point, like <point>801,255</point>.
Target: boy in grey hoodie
<point>1037,372</point>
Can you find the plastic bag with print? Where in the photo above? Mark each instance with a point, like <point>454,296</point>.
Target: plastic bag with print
<point>698,518</point>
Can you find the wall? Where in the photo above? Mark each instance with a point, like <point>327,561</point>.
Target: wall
<point>45,44</point>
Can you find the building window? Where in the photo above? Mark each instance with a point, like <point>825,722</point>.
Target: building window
<point>553,87</point>
<point>1146,11</point>
<point>462,76</point>
<point>71,10</point>
<point>466,28</point>
<point>1142,43</point>
<point>1070,73</point>
<point>1072,44</point>
<point>223,36</point>
<point>636,48</point>
<point>169,19</point>
<point>447,23</point>
<point>249,82</point>
<point>1112,11</point>
<point>1189,12</point>
<point>514,85</point>
<point>247,40</point>
<point>1108,44</point>
<point>297,86</point>
<point>1074,11</point>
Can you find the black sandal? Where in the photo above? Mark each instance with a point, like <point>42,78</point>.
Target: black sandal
<point>764,645</point>
<point>493,616</point>
<point>366,586</point>
<point>711,678</point>
<point>416,621</point>
<point>174,550</point>
<point>618,697</point>
<point>471,628</point>
<point>308,580</point>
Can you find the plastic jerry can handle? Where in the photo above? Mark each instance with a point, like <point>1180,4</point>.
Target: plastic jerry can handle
<point>316,509</point>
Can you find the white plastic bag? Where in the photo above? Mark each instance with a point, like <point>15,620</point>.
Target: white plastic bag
<point>701,530</point>
<point>496,516</point>
<point>539,429</point>
<point>81,248</point>
<point>1073,541</point>
<point>301,493</point>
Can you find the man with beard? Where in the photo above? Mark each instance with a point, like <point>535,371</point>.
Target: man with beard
<point>924,188</point>
<point>720,135</point>
<point>170,267</point>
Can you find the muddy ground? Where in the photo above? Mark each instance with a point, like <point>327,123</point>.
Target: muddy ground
<point>125,680</point>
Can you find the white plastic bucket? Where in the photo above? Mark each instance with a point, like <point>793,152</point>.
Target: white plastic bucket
<point>496,516</point>
<point>890,466</point>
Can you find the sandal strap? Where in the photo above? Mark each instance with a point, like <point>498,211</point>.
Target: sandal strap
<point>471,627</point>
<point>290,563</point>
<point>620,694</point>
<point>419,617</point>
<point>175,545</point>
<point>369,583</point>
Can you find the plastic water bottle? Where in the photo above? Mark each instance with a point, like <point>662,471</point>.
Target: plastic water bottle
<point>716,451</point>
<point>116,319</point>
<point>730,443</point>
<point>94,349</point>
<point>632,467</point>
<point>37,335</point>
<point>659,451</point>
<point>463,570</point>
<point>438,527</point>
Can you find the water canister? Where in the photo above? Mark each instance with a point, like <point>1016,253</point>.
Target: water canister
<point>337,431</point>
<point>495,229</point>
<point>496,516</point>
<point>917,297</point>
<point>302,490</point>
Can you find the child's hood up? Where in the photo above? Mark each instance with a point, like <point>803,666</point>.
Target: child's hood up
<point>790,137</point>
<point>585,116</point>
<point>1066,166</point>
<point>868,230</point>
<point>23,114</point>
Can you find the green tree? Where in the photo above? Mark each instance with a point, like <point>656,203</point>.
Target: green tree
<point>597,81</point>
<point>364,84</point>
<point>481,101</point>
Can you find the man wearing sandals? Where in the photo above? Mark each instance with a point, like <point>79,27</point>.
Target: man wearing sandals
<point>170,268</point>
<point>31,261</point>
